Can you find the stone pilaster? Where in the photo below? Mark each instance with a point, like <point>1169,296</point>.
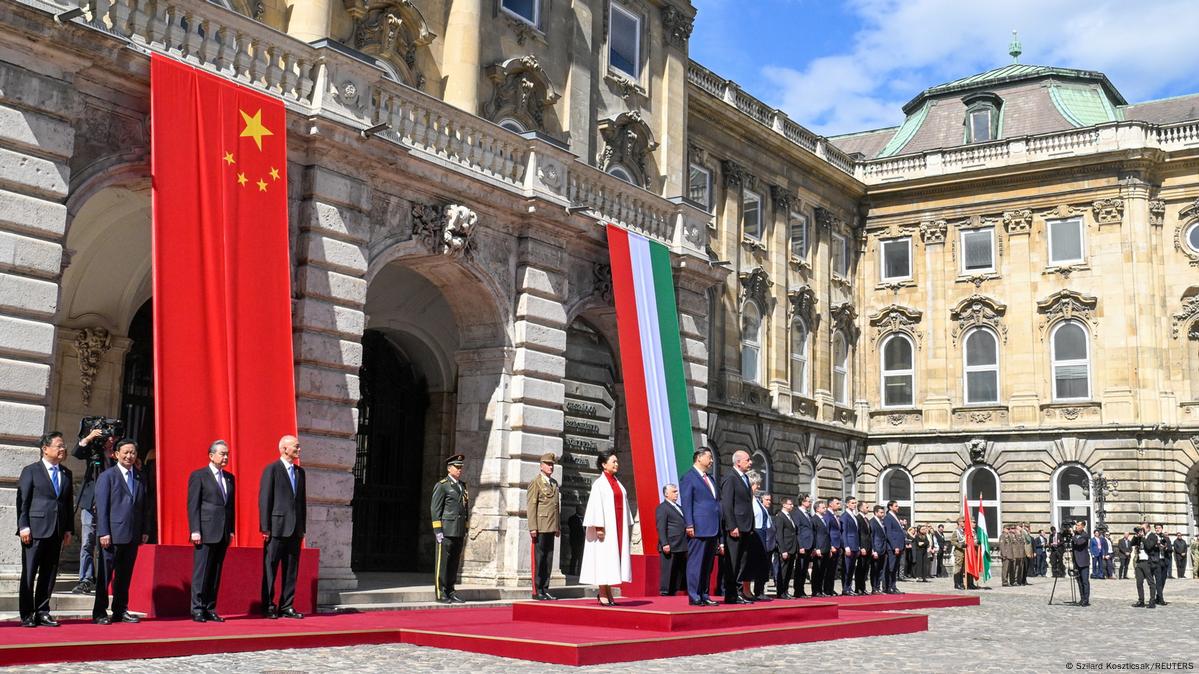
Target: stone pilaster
<point>694,278</point>
<point>1025,368</point>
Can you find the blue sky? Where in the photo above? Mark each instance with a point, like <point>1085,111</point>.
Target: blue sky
<point>838,66</point>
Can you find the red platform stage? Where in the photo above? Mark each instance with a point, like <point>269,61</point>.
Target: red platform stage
<point>571,632</point>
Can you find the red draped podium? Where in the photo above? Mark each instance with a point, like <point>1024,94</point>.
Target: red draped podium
<point>222,297</point>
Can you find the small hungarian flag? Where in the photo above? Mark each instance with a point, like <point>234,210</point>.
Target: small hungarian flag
<point>651,356</point>
<point>973,559</point>
<point>222,290</point>
<point>984,543</point>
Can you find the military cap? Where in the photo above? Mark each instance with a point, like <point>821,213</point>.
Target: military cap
<point>549,457</point>
<point>455,460</point>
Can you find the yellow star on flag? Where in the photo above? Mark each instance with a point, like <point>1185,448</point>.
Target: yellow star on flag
<point>261,185</point>
<point>241,179</point>
<point>254,128</point>
<point>274,173</point>
<point>228,157</point>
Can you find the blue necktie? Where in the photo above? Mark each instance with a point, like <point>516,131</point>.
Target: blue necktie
<point>54,480</point>
<point>129,480</point>
<point>291,476</point>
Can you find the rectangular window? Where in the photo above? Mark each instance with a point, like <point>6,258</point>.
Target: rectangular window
<point>840,255</point>
<point>624,41</point>
<point>980,126</point>
<point>751,215</point>
<point>528,10</point>
<point>699,186</point>
<point>799,236</point>
<point>1065,241</point>
<point>978,250</point>
<point>897,390</point>
<point>1071,382</point>
<point>897,259</point>
<point>982,386</point>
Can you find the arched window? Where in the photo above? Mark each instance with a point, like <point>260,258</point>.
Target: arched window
<point>762,465</point>
<point>981,360</point>
<point>807,478</point>
<point>840,368</point>
<point>799,357</point>
<point>513,125</point>
<point>751,343</point>
<point>849,482</point>
<point>1071,495</point>
<point>982,482</point>
<point>622,173</point>
<point>895,484</point>
<point>899,374</point>
<point>1071,362</point>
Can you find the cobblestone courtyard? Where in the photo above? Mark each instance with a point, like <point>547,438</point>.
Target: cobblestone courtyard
<point>1014,629</point>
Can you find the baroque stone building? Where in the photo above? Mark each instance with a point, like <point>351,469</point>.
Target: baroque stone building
<point>997,296</point>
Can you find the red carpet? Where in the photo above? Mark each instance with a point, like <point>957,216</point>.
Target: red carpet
<point>572,632</point>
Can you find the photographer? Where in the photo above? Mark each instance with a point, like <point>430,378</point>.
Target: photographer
<point>1080,547</point>
<point>95,449</point>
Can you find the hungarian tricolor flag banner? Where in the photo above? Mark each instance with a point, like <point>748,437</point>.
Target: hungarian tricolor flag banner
<point>652,359</point>
<point>984,543</point>
<point>222,297</point>
<point>973,559</point>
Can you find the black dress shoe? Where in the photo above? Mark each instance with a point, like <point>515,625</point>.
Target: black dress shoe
<point>709,602</point>
<point>291,613</point>
<point>761,597</point>
<point>550,596</point>
<point>213,617</point>
<point>126,617</point>
<point>103,620</point>
<point>444,600</point>
<point>1160,602</point>
<point>199,618</point>
<point>270,614</point>
<point>29,622</point>
<point>456,599</point>
<point>47,620</point>
<point>692,602</point>
<point>784,595</point>
<point>736,600</point>
<point>1139,604</point>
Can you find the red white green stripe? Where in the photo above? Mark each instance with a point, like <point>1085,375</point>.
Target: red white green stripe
<point>652,361</point>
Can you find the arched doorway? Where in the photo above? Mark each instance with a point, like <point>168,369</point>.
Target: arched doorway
<point>389,461</point>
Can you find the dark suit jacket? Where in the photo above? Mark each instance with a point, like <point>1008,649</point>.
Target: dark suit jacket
<point>865,540</point>
<point>701,509</point>
<point>820,537</point>
<point>1180,547</point>
<point>45,514</point>
<point>208,511</point>
<point>785,528</point>
<point>849,532</point>
<point>1124,547</point>
<point>896,536</point>
<point>282,513</point>
<point>878,536</point>
<point>805,534</point>
<point>1082,555</point>
<point>672,530</point>
<point>833,523</point>
<point>124,516</point>
<point>736,507</point>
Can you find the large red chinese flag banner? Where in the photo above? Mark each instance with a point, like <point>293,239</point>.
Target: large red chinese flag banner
<point>222,301</point>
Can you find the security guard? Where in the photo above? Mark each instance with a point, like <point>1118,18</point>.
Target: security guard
<point>543,511</point>
<point>450,508</point>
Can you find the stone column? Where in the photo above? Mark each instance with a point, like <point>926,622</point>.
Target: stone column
<point>309,20</point>
<point>463,33</point>
<point>671,99</point>
<point>329,321</point>
<point>694,277</point>
<point>35,148</point>
<point>1137,400</point>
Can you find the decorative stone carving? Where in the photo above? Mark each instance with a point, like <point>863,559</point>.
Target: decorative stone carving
<point>784,200</point>
<point>1186,218</point>
<point>896,318</point>
<point>697,155</point>
<point>628,143</point>
<point>734,173</point>
<point>391,30</point>
<point>427,225</point>
<point>523,29</point>
<point>1157,212</point>
<point>602,281</point>
<point>827,219</point>
<point>676,26</point>
<point>845,319</point>
<point>90,346</point>
<point>803,304</point>
<point>1189,212</point>
<point>1067,304</point>
<point>933,232</point>
<point>1017,222</point>
<point>755,285</point>
<point>1108,211</point>
<point>1062,211</point>
<point>460,221</point>
<point>978,310</point>
<point>977,447</point>
<point>1188,315</point>
<point>100,133</point>
<point>521,91</point>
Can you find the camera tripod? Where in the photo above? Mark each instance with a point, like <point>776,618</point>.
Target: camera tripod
<point>1071,573</point>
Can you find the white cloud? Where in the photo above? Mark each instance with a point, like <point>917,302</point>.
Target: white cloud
<point>904,46</point>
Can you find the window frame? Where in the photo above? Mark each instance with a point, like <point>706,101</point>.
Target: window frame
<point>967,368</point>
<point>1058,503</point>
<point>841,369</point>
<point>747,196</point>
<point>1186,236</point>
<point>849,482</point>
<point>639,23</point>
<point>534,22</point>
<point>976,110</point>
<point>801,357</point>
<point>1050,225</point>
<point>622,173</point>
<point>995,504</point>
<point>795,218</point>
<point>761,463</point>
<point>512,125</point>
<point>1054,363</point>
<point>755,344</point>
<point>883,246</point>
<point>884,373</point>
<point>840,248</point>
<point>707,202</point>
<point>884,495</point>
<point>962,244</point>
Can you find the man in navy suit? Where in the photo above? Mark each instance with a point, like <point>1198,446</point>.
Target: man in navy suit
<point>672,542</point>
<point>832,519</point>
<point>45,521</point>
<point>210,518</point>
<point>820,548</point>
<point>879,552</point>
<point>862,567</point>
<point>784,524</point>
<point>851,546</point>
<point>896,540</point>
<point>700,500</point>
<point>122,519</point>
<point>737,516</point>
<point>282,520</point>
<point>804,540</point>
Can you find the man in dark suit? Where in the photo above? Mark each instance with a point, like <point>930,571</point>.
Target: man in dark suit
<point>1163,564</point>
<point>804,539</point>
<point>45,522</point>
<point>787,546</point>
<point>879,551</point>
<point>737,515</point>
<point>210,519</point>
<point>862,567</point>
<point>282,520</point>
<point>1080,545</point>
<point>672,543</point>
<point>700,502</point>
<point>896,540</point>
<point>122,524</point>
<point>832,561</point>
<point>820,548</point>
<point>1180,554</point>
<point>1124,554</point>
<point>851,545</point>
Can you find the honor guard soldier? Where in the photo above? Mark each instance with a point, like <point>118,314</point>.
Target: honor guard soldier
<point>450,508</point>
<point>543,513</point>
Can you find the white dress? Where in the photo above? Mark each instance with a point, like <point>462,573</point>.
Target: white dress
<point>603,562</point>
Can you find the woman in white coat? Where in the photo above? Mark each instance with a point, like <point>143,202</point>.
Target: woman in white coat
<point>606,560</point>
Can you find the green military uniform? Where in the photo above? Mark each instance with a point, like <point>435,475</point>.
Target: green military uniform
<point>1195,558</point>
<point>961,580</point>
<point>450,509</point>
<point>544,502</point>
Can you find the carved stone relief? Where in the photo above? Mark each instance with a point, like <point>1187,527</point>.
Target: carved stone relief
<point>734,173</point>
<point>460,221</point>
<point>1017,222</point>
<point>933,232</point>
<point>521,91</point>
<point>602,281</point>
<point>391,30</point>
<point>1108,211</point>
<point>427,224</point>
<point>90,346</point>
<point>628,142</point>
<point>1188,315</point>
<point>755,285</point>
<point>676,26</point>
<point>1187,217</point>
<point>784,200</point>
<point>897,318</point>
<point>1157,212</point>
<point>978,310</point>
<point>1065,305</point>
<point>803,304</point>
<point>845,319</point>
